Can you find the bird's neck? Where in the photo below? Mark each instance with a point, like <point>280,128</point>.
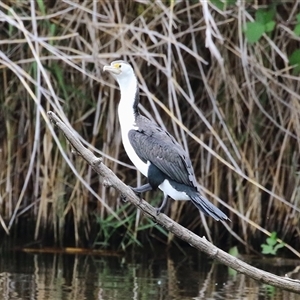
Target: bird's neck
<point>128,106</point>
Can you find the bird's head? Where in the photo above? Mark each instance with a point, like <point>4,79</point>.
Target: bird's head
<point>124,75</point>
<point>120,70</point>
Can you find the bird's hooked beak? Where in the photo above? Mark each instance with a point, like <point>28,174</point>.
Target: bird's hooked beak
<point>114,68</point>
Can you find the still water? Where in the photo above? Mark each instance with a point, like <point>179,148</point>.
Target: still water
<point>154,275</point>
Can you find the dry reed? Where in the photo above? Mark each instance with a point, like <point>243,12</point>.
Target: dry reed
<point>233,105</point>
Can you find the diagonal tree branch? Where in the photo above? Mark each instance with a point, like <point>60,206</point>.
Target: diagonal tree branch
<point>181,232</point>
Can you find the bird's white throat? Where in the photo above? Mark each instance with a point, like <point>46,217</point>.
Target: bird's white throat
<point>128,89</point>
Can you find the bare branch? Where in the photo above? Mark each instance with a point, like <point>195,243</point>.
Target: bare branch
<point>181,232</point>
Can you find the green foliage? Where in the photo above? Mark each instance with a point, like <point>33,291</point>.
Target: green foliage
<point>294,60</point>
<point>222,4</point>
<point>270,290</point>
<point>272,246</point>
<point>52,28</point>
<point>254,31</point>
<point>297,27</point>
<point>264,23</point>
<point>234,252</point>
<point>265,16</point>
<point>41,6</point>
<point>110,227</point>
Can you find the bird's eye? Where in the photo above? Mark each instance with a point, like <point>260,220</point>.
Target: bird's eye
<point>117,66</point>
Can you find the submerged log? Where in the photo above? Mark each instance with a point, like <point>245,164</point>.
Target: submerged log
<point>181,232</point>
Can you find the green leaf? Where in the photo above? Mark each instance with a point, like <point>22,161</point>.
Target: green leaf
<point>270,26</point>
<point>271,241</point>
<point>232,272</point>
<point>41,6</point>
<point>266,249</point>
<point>259,16</point>
<point>264,16</point>
<point>218,3</point>
<point>294,60</point>
<point>254,31</point>
<point>270,290</point>
<point>234,251</point>
<point>297,30</point>
<point>222,4</point>
<point>230,2</point>
<point>278,246</point>
<point>298,18</point>
<point>272,246</point>
<point>52,32</point>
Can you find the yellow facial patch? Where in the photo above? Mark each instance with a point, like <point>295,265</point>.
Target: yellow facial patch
<point>117,65</point>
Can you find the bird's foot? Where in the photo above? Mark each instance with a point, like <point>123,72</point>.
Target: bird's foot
<point>137,192</point>
<point>162,206</point>
<point>160,209</point>
<point>142,189</point>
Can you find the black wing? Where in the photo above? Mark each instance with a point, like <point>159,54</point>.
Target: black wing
<point>152,143</point>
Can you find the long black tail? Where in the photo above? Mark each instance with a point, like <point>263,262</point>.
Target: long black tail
<point>208,208</point>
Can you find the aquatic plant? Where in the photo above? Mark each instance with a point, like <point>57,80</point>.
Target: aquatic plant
<point>272,245</point>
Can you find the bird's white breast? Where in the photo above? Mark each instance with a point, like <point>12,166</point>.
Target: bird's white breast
<point>127,123</point>
<point>139,164</point>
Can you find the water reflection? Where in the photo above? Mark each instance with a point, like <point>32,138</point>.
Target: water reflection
<point>144,276</point>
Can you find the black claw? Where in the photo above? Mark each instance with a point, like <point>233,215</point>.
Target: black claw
<point>158,211</point>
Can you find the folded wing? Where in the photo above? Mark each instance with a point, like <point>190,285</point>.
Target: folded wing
<point>153,144</point>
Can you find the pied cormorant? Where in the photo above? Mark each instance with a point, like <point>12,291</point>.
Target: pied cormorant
<point>154,151</point>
